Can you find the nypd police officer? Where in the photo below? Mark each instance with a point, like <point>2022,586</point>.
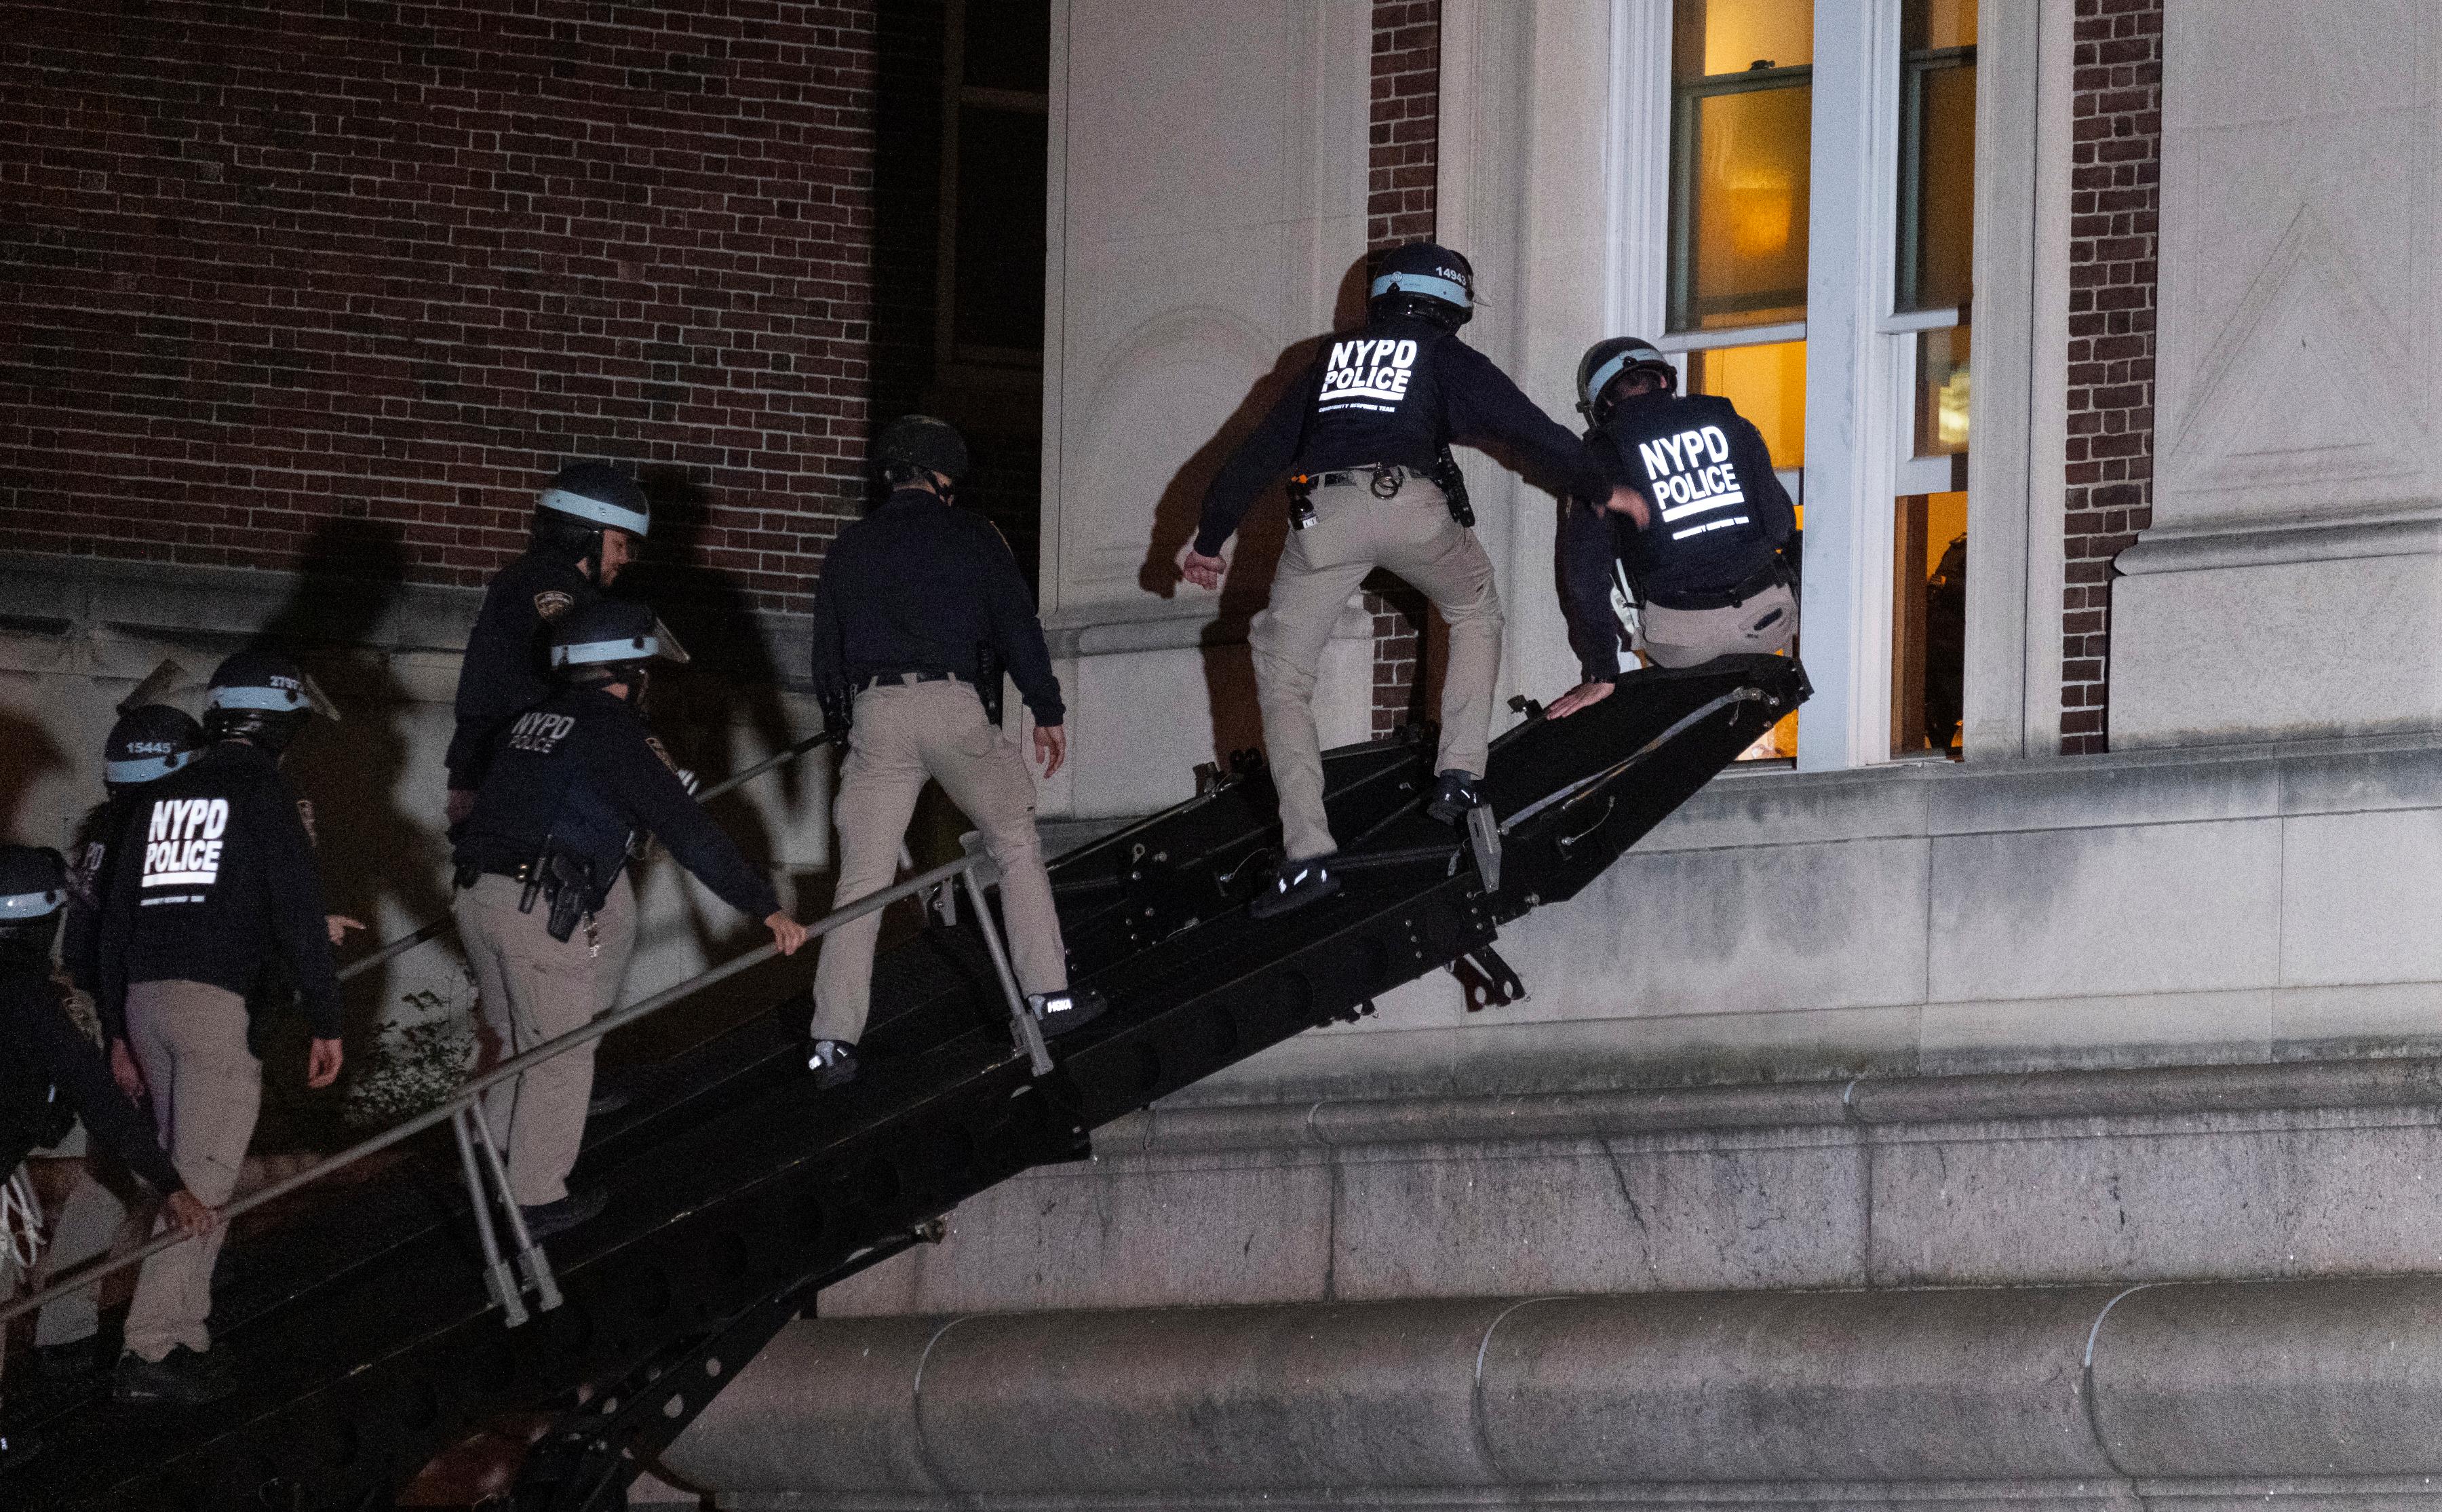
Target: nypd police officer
<point>147,743</point>
<point>544,906</point>
<point>586,526</point>
<point>211,877</point>
<point>919,608</point>
<point>1699,538</point>
<point>1364,436</point>
<point>49,1070</point>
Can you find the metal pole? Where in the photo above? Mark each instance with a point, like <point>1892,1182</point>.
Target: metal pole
<point>440,926</point>
<point>872,903</point>
<point>1030,1035</point>
<point>497,1274</point>
<point>530,1256</point>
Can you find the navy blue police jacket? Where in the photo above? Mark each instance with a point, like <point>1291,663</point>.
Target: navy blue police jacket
<point>1720,513</point>
<point>49,1070</point>
<point>88,880</point>
<point>1394,391</point>
<point>919,586</point>
<point>211,876</point>
<point>508,666</point>
<point>579,774</point>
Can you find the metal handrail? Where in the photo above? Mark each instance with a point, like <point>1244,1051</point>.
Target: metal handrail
<point>441,926</point>
<point>976,866</point>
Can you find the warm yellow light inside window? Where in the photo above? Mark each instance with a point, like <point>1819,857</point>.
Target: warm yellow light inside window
<point>1933,24</point>
<point>1768,385</point>
<point>1736,35</point>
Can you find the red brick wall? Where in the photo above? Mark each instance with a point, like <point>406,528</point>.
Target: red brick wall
<point>272,265</point>
<point>1403,156</point>
<point>2114,201</point>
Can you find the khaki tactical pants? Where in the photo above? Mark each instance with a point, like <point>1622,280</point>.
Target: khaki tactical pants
<point>534,987</point>
<point>904,734</point>
<point>1763,626</point>
<point>107,1210</point>
<point>1412,533</point>
<point>189,1039</point>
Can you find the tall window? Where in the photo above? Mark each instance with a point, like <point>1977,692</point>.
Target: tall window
<point>1738,302</point>
<point>993,180</point>
<point>1932,262</point>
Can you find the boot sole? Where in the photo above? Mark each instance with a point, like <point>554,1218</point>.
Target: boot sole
<point>1274,905</point>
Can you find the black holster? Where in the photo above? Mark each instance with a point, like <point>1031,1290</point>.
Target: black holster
<point>988,687</point>
<point>837,714</point>
<point>566,883</point>
<point>1452,483</point>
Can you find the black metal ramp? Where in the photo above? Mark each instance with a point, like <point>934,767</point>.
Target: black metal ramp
<point>358,1322</point>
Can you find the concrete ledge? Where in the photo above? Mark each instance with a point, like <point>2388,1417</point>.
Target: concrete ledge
<point>1969,1395</point>
<point>1892,1101</point>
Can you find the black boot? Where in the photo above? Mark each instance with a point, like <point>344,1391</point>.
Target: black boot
<point>181,1377</point>
<point>833,1064</point>
<point>1453,797</point>
<point>75,1361</point>
<point>548,1218</point>
<point>1296,884</point>
<point>1059,1012</point>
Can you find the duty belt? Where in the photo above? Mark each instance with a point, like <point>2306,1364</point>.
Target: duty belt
<point>1385,479</point>
<point>1722,598</point>
<point>900,678</point>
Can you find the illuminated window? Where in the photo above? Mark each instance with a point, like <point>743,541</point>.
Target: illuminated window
<point>1928,620</point>
<point>1767,384</point>
<point>1741,104</point>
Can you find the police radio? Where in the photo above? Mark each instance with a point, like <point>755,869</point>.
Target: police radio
<point>1452,483</point>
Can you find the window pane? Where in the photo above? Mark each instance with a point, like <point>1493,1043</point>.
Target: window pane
<point>1713,37</point>
<point>1939,188</point>
<point>1768,385</point>
<point>1942,393</point>
<point>1745,245</point>
<point>1008,45</point>
<point>1928,620</point>
<point>998,297</point>
<point>1930,24</point>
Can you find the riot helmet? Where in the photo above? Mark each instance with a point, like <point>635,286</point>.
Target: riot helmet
<point>1425,281</point>
<point>261,697</point>
<point>33,893</point>
<point>607,641</point>
<point>914,444</point>
<point>582,500</point>
<point>1607,362</point>
<point>150,740</point>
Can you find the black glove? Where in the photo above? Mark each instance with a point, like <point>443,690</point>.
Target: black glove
<point>835,715</point>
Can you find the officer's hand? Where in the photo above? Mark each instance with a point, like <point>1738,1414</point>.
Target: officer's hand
<point>124,1070</point>
<point>1584,695</point>
<point>1204,572</point>
<point>787,933</point>
<point>1627,501</point>
<point>1050,747</point>
<point>338,924</point>
<point>462,804</point>
<point>188,1215</point>
<point>322,1064</point>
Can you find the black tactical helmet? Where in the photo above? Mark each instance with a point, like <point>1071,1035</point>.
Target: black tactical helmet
<point>913,442</point>
<point>1608,359</point>
<point>33,890</point>
<point>1425,280</point>
<point>259,697</point>
<point>607,641</point>
<point>582,500</point>
<point>148,742</point>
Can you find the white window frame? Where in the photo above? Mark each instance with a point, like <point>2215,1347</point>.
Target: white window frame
<point>1860,356</point>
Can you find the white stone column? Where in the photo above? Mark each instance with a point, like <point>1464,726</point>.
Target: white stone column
<point>1208,210</point>
<point>2289,583</point>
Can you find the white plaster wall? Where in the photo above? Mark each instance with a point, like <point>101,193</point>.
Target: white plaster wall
<point>1210,204</point>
